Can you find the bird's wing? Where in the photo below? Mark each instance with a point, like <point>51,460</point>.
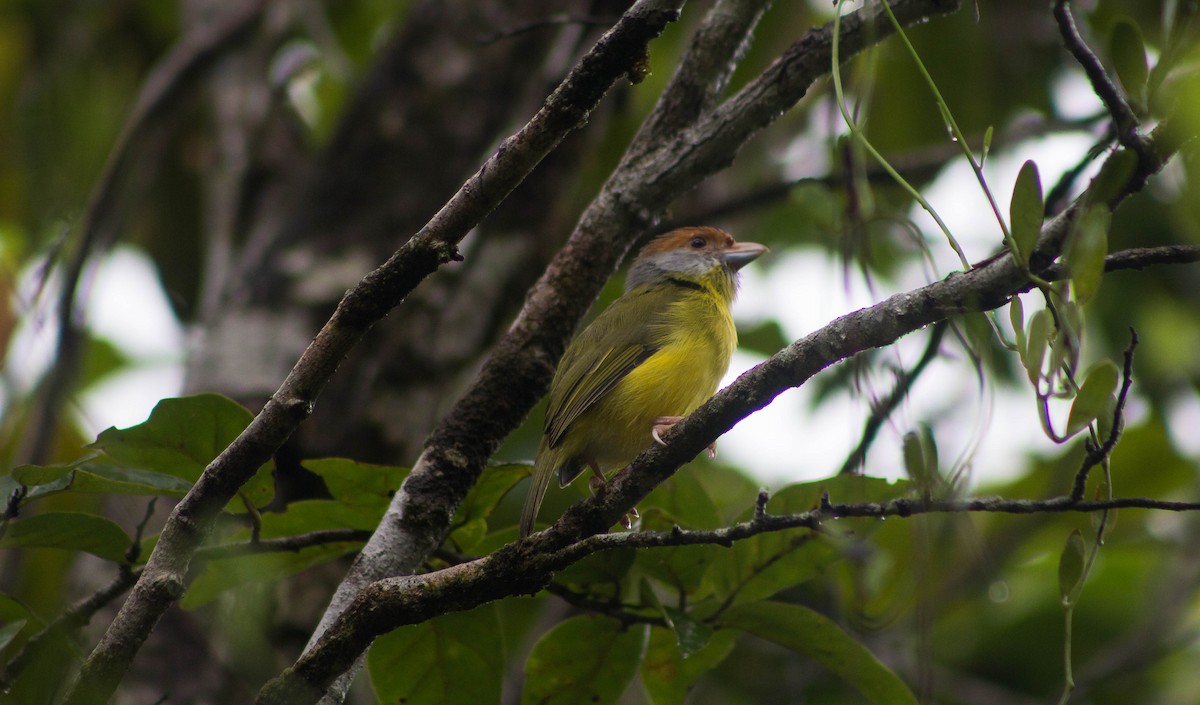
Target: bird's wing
<point>624,336</point>
<point>586,388</point>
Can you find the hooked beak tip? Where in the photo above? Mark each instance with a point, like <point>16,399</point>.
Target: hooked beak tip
<point>742,253</point>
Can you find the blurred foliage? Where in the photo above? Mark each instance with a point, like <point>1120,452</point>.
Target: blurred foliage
<point>943,609</point>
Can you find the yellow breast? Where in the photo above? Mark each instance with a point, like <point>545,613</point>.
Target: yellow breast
<point>698,340</point>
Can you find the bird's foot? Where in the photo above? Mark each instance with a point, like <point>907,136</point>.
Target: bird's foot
<point>663,423</point>
<point>595,482</point>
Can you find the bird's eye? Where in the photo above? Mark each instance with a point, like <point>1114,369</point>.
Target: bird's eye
<point>698,242</point>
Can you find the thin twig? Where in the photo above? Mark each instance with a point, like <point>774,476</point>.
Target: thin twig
<point>1098,454</point>
<point>1125,120</point>
<point>283,544</point>
<point>625,614</point>
<point>521,567</point>
<point>564,111</point>
<point>75,617</point>
<point>884,408</point>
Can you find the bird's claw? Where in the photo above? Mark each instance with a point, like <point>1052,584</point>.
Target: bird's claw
<point>596,481</point>
<point>663,423</point>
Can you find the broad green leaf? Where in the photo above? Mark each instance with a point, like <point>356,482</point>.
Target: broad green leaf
<point>585,659</point>
<point>816,636</point>
<point>101,359</point>
<point>470,520</point>
<point>1070,566</point>
<point>301,517</point>
<point>9,485</point>
<point>681,501</point>
<point>9,631</point>
<point>12,609</point>
<point>604,568</point>
<point>72,531</point>
<point>352,482</point>
<point>1113,178</point>
<point>1129,59</point>
<point>306,515</point>
<point>35,475</point>
<point>761,566</point>
<point>921,458</point>
<point>681,567</point>
<point>227,573</point>
<point>1104,420</point>
<point>1040,327</point>
<point>667,676</point>
<point>1086,251</point>
<point>454,658</point>
<point>1094,394</point>
<point>1027,210</point>
<point>181,437</point>
<point>693,634</point>
<point>95,478</point>
<point>1016,316</point>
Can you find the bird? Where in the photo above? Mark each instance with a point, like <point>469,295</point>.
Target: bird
<point>652,357</point>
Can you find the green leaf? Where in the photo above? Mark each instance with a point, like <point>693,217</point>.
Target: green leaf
<point>10,631</point>
<point>94,478</point>
<point>1070,567</point>
<point>35,475</point>
<point>454,658</point>
<point>227,573</point>
<point>1027,210</point>
<point>987,144</point>
<point>355,483</point>
<point>1129,59</point>
<point>604,567</point>
<point>181,437</point>
<point>1040,327</point>
<point>681,501</point>
<point>72,531</point>
<point>761,566</point>
<point>813,635</point>
<point>1016,316</point>
<point>306,515</point>
<point>471,517</point>
<point>1094,394</point>
<point>101,359</point>
<point>1086,250</point>
<point>1113,178</point>
<point>585,659</point>
<point>12,609</point>
<point>667,676</point>
<point>301,517</point>
<point>693,634</point>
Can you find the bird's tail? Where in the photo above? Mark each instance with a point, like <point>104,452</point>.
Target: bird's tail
<point>543,470</point>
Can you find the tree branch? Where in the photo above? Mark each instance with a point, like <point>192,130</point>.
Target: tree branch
<point>525,567</point>
<point>566,108</point>
<point>663,161</point>
<point>519,568</point>
<point>1124,120</point>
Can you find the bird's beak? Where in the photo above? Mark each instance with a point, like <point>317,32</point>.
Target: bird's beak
<point>742,254</point>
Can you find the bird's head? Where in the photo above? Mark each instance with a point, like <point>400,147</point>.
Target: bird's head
<point>701,255</point>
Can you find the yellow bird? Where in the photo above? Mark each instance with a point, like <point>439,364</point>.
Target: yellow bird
<point>651,358</point>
